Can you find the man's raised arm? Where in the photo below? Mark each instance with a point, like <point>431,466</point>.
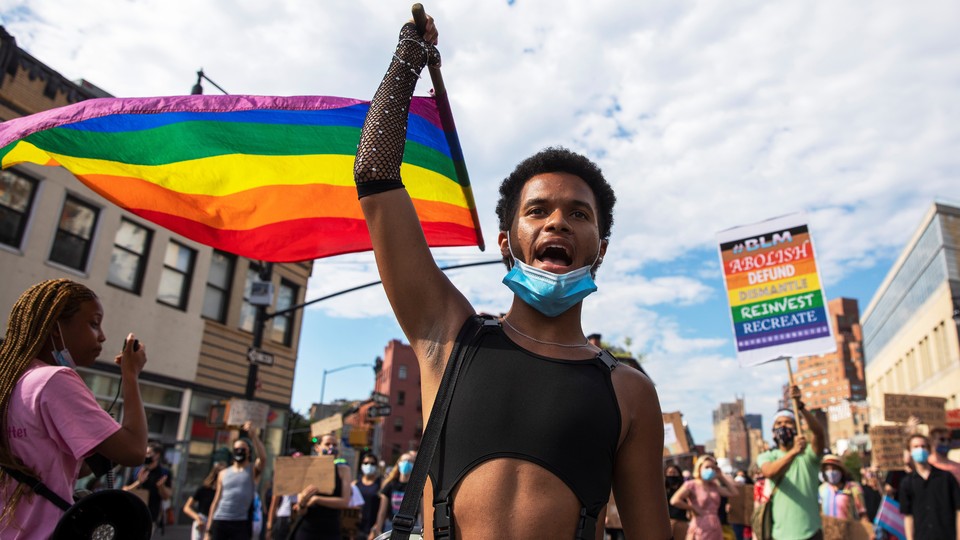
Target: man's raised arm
<point>428,307</point>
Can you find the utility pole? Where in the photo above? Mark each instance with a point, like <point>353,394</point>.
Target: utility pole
<point>260,320</point>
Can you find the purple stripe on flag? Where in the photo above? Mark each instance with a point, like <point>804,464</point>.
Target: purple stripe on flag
<point>18,128</point>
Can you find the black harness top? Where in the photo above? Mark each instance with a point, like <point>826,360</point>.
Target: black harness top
<point>559,414</point>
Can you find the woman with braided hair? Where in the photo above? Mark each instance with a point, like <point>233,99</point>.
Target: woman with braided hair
<point>49,419</point>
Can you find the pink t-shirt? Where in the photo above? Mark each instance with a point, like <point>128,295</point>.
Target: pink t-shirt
<point>53,423</point>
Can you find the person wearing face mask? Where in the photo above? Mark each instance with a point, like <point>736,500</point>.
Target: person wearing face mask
<point>701,497</point>
<point>793,470</point>
<point>840,496</point>
<point>940,438</point>
<point>555,216</point>
<point>391,494</point>
<point>153,477</point>
<point>321,511</point>
<point>929,497</point>
<point>232,506</point>
<point>50,421</point>
<point>673,480</point>
<point>369,484</point>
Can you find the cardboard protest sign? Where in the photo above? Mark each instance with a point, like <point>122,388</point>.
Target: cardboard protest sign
<point>674,435</point>
<point>777,305</point>
<point>741,506</point>
<point>326,426</point>
<point>240,411</point>
<point>887,444</point>
<point>929,409</point>
<point>292,474</point>
<point>845,529</point>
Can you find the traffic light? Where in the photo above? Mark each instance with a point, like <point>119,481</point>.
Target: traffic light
<point>314,440</point>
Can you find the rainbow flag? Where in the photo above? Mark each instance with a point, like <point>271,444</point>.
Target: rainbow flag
<point>268,178</point>
<point>777,303</point>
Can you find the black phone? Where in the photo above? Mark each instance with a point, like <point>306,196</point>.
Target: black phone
<point>136,345</point>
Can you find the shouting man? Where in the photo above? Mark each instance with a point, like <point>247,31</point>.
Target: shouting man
<point>541,423</point>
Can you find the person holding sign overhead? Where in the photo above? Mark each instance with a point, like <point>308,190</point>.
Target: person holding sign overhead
<point>236,486</point>
<point>793,468</point>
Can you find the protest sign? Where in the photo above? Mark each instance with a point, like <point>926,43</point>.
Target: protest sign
<point>292,474</point>
<point>674,435</point>
<point>240,411</point>
<point>326,426</point>
<point>741,506</point>
<point>846,529</point>
<point>777,304</point>
<point>953,418</point>
<point>887,444</point>
<point>929,409</point>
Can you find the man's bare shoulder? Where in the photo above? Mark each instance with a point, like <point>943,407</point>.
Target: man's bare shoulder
<point>637,397</point>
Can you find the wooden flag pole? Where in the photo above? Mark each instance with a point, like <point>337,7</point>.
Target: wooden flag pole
<point>449,127</point>
<point>420,19</point>
<point>796,409</point>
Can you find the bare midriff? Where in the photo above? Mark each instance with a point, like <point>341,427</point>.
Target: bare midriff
<point>510,498</point>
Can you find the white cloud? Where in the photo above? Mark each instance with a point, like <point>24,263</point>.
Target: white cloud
<point>703,115</point>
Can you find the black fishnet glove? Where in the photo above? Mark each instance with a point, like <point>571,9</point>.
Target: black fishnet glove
<point>380,152</point>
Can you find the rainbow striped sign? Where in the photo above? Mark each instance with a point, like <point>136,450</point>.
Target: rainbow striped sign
<point>777,304</point>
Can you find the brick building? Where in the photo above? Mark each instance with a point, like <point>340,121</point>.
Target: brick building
<point>399,378</point>
<point>831,379</point>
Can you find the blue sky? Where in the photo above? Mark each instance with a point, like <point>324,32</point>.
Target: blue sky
<point>703,115</point>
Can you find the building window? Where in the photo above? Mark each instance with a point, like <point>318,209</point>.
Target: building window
<point>283,324</point>
<point>401,397</point>
<point>398,424</point>
<point>217,294</point>
<point>129,257</point>
<point>248,311</point>
<point>16,200</point>
<point>71,246</point>
<point>176,275</point>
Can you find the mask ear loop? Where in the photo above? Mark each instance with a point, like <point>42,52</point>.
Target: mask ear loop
<point>513,258</point>
<point>62,341</point>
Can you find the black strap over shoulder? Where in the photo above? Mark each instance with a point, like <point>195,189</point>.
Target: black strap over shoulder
<point>465,345</point>
<point>38,487</point>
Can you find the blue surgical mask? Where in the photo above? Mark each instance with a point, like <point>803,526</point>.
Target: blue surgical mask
<point>62,358</point>
<point>833,476</point>
<point>708,474</point>
<point>942,449</point>
<point>406,467</point>
<point>549,293</point>
<point>368,468</point>
<point>920,455</point>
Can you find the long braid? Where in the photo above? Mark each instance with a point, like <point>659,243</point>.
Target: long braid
<point>28,329</point>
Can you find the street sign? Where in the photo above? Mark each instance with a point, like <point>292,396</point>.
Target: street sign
<point>257,356</point>
<point>377,397</point>
<point>377,412</point>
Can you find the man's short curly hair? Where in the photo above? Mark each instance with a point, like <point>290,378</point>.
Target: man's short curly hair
<point>552,160</point>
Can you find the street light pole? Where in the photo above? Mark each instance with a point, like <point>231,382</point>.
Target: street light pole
<point>323,380</point>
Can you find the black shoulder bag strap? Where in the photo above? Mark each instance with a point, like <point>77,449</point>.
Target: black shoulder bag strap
<point>466,344</point>
<point>38,487</point>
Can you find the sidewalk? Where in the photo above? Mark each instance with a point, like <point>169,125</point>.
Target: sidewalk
<point>173,532</point>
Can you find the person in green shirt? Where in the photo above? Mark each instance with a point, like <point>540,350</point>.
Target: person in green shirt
<point>793,468</point>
